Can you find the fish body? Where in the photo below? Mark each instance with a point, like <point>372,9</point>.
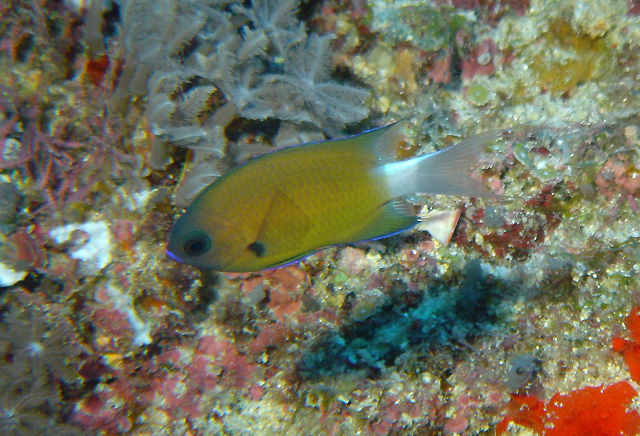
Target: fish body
<point>282,206</point>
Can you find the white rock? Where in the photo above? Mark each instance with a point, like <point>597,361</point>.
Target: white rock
<point>10,277</point>
<point>95,252</point>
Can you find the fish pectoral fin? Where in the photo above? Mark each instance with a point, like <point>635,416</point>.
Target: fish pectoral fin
<point>390,218</point>
<point>284,225</point>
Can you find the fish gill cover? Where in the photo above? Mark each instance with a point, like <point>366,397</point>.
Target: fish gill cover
<point>113,112</point>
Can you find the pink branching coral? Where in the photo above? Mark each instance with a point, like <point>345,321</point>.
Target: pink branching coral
<point>480,61</point>
<point>51,128</point>
<point>26,144</point>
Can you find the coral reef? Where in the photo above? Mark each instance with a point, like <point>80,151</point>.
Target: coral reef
<point>202,67</point>
<point>114,114</point>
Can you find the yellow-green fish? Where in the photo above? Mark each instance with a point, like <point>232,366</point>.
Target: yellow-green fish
<point>282,206</point>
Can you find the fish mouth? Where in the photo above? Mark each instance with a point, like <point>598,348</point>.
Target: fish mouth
<point>172,256</point>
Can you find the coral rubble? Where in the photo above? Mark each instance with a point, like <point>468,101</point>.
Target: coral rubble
<point>114,114</point>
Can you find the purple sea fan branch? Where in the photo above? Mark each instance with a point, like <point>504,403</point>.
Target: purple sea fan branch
<point>52,164</point>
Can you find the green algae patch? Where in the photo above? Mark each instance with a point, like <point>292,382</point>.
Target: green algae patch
<point>478,94</point>
<point>424,25</point>
<point>569,58</point>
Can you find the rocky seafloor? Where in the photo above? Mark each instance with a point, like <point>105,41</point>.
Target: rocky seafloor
<point>115,114</point>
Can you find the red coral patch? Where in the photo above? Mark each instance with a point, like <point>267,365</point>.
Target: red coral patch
<point>590,411</point>
<point>593,411</point>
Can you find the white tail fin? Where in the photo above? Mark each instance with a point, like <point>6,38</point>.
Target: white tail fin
<point>443,172</point>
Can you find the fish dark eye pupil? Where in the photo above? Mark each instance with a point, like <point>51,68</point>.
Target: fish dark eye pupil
<point>197,244</point>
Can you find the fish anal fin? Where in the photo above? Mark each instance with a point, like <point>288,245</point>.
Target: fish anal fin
<point>440,224</point>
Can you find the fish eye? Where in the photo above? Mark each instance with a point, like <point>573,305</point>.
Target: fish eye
<point>197,244</point>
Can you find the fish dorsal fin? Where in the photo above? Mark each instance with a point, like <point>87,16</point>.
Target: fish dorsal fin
<point>285,224</point>
<point>390,218</point>
<point>381,142</point>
